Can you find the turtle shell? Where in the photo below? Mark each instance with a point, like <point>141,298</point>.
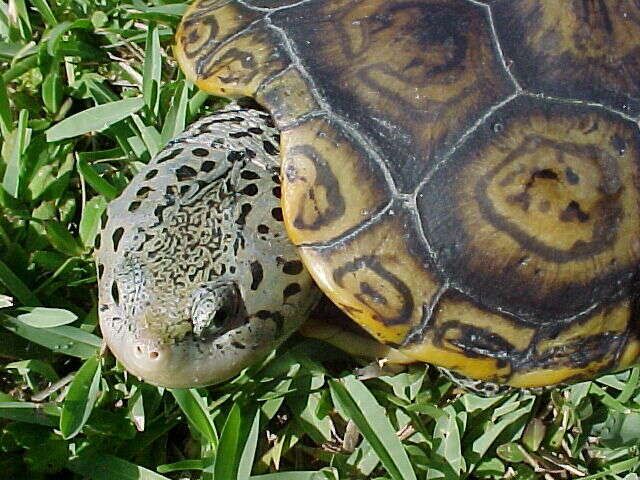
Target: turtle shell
<point>462,177</point>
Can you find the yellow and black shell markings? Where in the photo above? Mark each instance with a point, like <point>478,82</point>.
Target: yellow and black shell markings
<point>541,203</point>
<point>408,75</point>
<point>380,276</point>
<point>470,340</point>
<point>226,48</point>
<point>330,185</point>
<point>580,49</point>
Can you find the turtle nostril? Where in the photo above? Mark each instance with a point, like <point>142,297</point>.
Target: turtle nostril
<point>154,355</point>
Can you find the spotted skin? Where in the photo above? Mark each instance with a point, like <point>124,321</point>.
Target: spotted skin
<point>190,289</point>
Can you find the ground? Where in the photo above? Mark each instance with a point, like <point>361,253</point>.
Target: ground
<point>89,91</point>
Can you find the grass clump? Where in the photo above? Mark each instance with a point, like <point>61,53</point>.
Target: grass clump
<point>89,92</point>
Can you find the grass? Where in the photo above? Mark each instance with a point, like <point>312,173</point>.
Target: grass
<point>89,91</point>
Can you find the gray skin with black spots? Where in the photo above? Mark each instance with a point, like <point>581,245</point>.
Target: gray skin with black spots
<point>197,278</point>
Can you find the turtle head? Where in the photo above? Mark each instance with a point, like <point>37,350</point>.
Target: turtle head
<point>197,279</point>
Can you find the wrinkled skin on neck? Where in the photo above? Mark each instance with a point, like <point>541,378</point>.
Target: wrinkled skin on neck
<point>197,278</point>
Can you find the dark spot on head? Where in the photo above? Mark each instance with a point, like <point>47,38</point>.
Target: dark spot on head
<point>249,175</point>
<point>117,235</point>
<point>256,274</point>
<point>293,267</point>
<point>263,228</point>
<point>133,206</point>
<point>97,241</point>
<point>277,214</point>
<point>277,192</point>
<point>103,220</point>
<point>250,189</point>
<point>249,153</point>
<point>150,174</point>
<point>235,156</point>
<point>290,290</point>
<point>256,130</point>
<point>244,211</point>
<point>115,294</point>
<point>185,172</point>
<point>103,307</point>
<point>100,270</point>
<point>239,134</point>
<point>170,156</point>
<point>263,314</point>
<point>142,192</point>
<point>207,166</point>
<point>200,152</point>
<point>269,147</point>
<point>184,189</point>
<point>238,345</point>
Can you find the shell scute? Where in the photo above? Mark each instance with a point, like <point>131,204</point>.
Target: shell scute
<point>330,185</point>
<point>583,50</point>
<point>378,276</point>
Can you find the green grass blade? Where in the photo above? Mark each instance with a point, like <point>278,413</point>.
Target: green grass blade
<point>109,467</point>
<point>357,402</point>
<point>94,119</point>
<point>43,317</point>
<point>90,220</point>
<point>175,120</point>
<point>152,69</point>
<point>16,286</point>
<point>237,446</point>
<point>82,396</point>
<point>45,11</point>
<point>6,117</point>
<point>192,405</point>
<point>98,183</point>
<point>64,339</point>
<point>18,141</point>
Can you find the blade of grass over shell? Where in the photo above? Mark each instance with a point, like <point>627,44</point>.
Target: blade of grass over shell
<point>81,397</point>
<point>357,402</point>
<point>94,119</point>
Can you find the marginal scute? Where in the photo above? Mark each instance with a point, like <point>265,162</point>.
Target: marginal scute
<point>206,25</point>
<point>471,340</point>
<point>575,49</point>
<point>538,212</point>
<point>411,76</point>
<point>378,276</point>
<point>330,185</point>
<point>233,68</point>
<point>583,349</point>
<point>287,97</point>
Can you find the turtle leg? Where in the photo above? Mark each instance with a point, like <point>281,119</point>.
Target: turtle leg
<point>197,277</point>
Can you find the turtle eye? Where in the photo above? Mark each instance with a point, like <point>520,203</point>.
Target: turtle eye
<point>215,308</point>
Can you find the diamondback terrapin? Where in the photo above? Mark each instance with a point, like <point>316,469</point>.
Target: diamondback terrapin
<point>461,177</point>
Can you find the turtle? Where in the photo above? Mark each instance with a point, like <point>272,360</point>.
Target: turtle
<point>461,178</point>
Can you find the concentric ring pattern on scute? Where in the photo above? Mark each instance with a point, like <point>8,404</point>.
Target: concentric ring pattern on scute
<point>462,179</point>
